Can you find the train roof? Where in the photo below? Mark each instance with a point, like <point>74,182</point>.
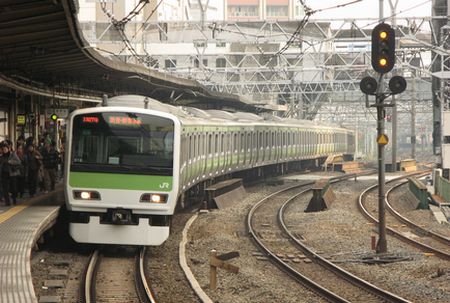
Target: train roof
<point>189,115</point>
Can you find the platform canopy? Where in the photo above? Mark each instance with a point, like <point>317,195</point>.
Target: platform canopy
<point>42,51</point>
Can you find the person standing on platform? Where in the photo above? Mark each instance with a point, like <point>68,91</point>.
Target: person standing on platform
<point>10,164</point>
<point>50,159</point>
<point>33,162</point>
<point>22,176</point>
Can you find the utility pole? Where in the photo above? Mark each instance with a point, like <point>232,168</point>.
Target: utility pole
<point>413,118</point>
<point>394,119</point>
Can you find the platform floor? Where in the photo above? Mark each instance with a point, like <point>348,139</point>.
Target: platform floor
<point>21,226</point>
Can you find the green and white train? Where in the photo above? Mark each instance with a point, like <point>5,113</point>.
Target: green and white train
<point>128,163</point>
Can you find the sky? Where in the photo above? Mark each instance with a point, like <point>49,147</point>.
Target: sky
<point>368,8</point>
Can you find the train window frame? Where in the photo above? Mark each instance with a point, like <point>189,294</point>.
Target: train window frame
<point>216,143</point>
<point>210,136</point>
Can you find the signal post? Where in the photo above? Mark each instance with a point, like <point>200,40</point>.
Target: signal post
<point>383,61</point>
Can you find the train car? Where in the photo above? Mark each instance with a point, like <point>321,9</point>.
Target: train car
<point>129,163</point>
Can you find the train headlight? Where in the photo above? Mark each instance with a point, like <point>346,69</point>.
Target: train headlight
<point>154,198</point>
<point>86,195</point>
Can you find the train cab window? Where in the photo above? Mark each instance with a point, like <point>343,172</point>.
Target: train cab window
<point>122,142</point>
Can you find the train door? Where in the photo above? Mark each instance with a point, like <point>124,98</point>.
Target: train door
<point>256,147</point>
<point>243,147</point>
<point>223,156</point>
<point>216,153</point>
<point>183,160</point>
<point>247,150</point>
<point>262,143</point>
<point>227,147</point>
<point>202,153</point>
<point>235,153</point>
<point>194,156</point>
<point>189,158</point>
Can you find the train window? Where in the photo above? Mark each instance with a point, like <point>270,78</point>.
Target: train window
<point>216,143</point>
<point>260,141</point>
<point>122,142</point>
<point>190,148</point>
<point>195,146</point>
<point>209,144</point>
<point>202,142</point>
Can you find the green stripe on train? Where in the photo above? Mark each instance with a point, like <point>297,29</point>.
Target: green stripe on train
<point>120,181</point>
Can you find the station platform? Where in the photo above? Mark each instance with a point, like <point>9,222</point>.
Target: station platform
<point>21,226</point>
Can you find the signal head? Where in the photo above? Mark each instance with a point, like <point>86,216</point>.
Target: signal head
<point>368,85</point>
<point>397,84</point>
<point>383,48</point>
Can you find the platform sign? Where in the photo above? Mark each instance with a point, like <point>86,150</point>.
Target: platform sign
<point>59,112</point>
<point>21,119</point>
<point>382,139</point>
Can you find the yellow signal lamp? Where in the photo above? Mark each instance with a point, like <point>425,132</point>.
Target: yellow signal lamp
<point>382,62</point>
<point>54,117</point>
<point>383,35</point>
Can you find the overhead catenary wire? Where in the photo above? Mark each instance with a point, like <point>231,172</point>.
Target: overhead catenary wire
<point>119,25</point>
<point>142,27</point>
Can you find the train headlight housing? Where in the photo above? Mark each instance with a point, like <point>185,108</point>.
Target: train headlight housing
<point>153,198</point>
<point>86,195</point>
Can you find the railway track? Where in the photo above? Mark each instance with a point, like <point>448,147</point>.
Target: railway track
<point>321,276</point>
<point>113,278</point>
<point>411,233</point>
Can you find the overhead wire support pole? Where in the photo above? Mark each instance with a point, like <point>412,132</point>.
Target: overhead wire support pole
<point>394,120</point>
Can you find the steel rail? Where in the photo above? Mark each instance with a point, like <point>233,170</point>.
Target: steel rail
<point>300,278</point>
<point>341,272</point>
<point>426,248</point>
<point>143,288</point>
<point>87,286</point>
<point>411,224</point>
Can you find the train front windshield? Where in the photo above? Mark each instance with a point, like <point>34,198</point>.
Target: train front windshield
<point>122,143</point>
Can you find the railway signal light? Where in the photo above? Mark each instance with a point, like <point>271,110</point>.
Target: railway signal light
<point>383,48</point>
<point>397,84</point>
<point>368,85</point>
<point>54,117</point>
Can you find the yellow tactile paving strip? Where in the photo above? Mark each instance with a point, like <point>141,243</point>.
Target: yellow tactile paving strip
<point>20,227</point>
